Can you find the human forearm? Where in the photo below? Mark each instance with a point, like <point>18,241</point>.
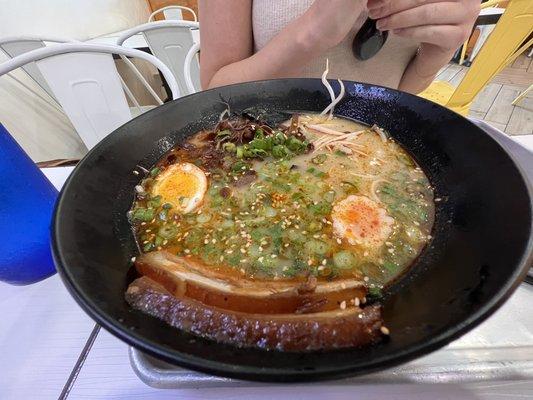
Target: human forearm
<point>423,68</point>
<point>441,26</point>
<point>284,56</point>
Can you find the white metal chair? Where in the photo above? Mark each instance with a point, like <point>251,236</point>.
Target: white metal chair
<point>85,82</point>
<point>169,41</point>
<point>189,68</point>
<point>16,45</point>
<point>173,13</point>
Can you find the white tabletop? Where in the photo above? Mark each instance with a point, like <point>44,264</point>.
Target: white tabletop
<point>43,332</point>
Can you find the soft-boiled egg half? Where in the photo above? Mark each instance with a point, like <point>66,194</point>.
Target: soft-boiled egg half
<point>183,185</point>
<point>361,221</point>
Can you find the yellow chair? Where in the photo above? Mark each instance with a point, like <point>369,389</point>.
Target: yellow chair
<point>508,40</point>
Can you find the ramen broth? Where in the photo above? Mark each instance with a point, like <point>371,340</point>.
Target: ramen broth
<point>291,218</point>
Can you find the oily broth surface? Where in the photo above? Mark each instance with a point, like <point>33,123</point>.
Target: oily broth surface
<point>279,226</point>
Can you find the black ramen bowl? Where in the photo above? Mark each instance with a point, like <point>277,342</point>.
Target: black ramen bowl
<point>481,249</point>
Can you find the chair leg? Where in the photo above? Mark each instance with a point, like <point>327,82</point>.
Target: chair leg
<point>501,47</point>
<point>522,95</point>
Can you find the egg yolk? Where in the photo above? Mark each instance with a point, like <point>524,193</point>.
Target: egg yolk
<point>181,185</point>
<point>361,221</point>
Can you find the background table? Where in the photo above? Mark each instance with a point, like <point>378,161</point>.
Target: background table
<point>49,348</point>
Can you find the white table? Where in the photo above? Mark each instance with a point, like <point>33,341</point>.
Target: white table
<point>43,333</point>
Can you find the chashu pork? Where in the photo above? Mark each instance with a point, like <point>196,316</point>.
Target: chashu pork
<point>292,315</point>
<point>351,327</point>
<point>186,277</point>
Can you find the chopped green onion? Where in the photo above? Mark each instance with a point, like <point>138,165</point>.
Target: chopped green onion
<point>319,159</point>
<point>279,151</point>
<point>229,147</point>
<point>154,172</point>
<point>143,214</point>
<point>344,259</point>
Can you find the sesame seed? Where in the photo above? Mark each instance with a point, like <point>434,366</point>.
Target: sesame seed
<point>309,262</point>
<point>286,245</point>
<point>229,251</point>
<point>365,254</point>
<point>242,271</point>
<point>360,316</point>
<point>135,172</point>
<point>243,251</point>
<point>384,330</point>
<point>390,251</point>
<point>324,261</point>
<point>186,251</point>
<point>356,302</point>
<point>438,199</point>
<point>343,305</point>
<point>321,268</point>
<point>260,259</point>
<point>339,241</point>
<point>133,259</point>
<point>221,258</point>
<point>366,278</point>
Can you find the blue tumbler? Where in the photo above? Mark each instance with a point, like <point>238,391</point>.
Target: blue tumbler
<point>26,204</point>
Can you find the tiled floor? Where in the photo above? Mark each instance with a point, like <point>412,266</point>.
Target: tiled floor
<point>493,104</point>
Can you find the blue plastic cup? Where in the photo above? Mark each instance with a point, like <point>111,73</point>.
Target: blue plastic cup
<point>26,204</point>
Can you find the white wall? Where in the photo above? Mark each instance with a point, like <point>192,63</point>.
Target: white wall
<point>77,19</point>
<point>40,127</point>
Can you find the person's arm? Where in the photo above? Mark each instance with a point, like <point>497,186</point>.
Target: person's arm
<point>227,40</point>
<point>440,26</point>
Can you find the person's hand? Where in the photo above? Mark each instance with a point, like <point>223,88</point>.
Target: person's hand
<point>329,21</point>
<point>440,25</point>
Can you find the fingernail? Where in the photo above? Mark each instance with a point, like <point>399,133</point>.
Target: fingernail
<point>381,24</point>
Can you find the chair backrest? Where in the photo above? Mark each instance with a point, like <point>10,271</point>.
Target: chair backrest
<point>169,41</point>
<point>84,80</point>
<point>189,72</point>
<point>15,46</point>
<point>173,13</point>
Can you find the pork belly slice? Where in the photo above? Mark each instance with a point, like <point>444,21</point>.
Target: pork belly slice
<point>351,327</point>
<point>185,277</point>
